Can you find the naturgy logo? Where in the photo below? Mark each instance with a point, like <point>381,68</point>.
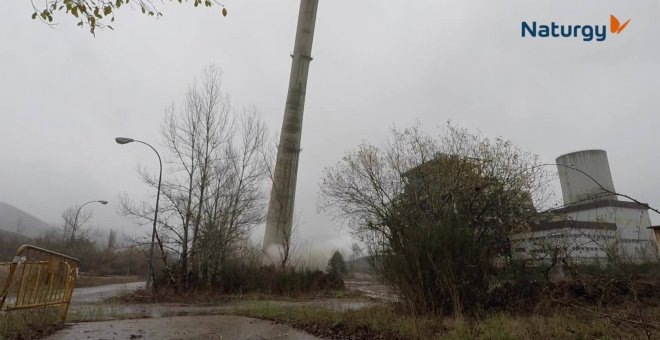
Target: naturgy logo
<point>615,25</point>
<point>585,32</point>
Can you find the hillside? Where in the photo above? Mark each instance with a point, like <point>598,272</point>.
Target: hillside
<point>9,243</point>
<point>15,220</point>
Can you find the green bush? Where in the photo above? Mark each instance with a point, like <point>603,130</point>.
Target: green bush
<point>438,265</point>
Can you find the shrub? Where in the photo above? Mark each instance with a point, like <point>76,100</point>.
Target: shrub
<point>336,265</point>
<point>238,278</point>
<point>435,212</point>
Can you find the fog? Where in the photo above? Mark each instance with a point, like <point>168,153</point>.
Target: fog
<point>66,94</point>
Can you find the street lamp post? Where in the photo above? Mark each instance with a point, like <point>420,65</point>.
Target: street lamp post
<point>150,270</point>
<point>74,227</point>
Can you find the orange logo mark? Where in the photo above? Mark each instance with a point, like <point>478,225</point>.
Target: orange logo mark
<point>615,25</point>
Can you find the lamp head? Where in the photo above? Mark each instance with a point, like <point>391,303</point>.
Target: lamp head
<point>103,202</point>
<point>124,140</point>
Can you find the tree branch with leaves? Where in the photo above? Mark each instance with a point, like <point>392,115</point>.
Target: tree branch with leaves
<point>101,13</point>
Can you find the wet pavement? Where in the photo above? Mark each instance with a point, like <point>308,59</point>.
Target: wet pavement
<point>193,321</point>
<point>182,327</point>
<point>370,287</point>
<point>100,293</point>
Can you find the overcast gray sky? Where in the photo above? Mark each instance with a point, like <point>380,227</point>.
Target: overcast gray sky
<point>64,95</point>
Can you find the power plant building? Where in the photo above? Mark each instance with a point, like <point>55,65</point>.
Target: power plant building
<point>593,225</point>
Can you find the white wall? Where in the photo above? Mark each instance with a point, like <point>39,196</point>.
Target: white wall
<point>636,241</point>
<point>581,245</point>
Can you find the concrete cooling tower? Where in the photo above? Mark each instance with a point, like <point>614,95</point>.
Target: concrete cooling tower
<point>576,186</point>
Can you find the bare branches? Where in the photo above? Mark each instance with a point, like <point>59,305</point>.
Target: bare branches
<point>74,222</point>
<point>434,212</point>
<point>605,191</point>
<point>214,192</point>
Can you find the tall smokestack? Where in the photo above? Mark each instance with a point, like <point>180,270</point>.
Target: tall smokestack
<point>282,195</point>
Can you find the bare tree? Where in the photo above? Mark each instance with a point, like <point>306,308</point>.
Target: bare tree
<point>213,194</point>
<point>237,196</point>
<point>356,252</point>
<point>72,228</point>
<point>289,251</point>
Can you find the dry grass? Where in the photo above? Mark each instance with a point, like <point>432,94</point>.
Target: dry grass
<point>558,326</point>
<point>209,296</point>
<point>377,322</point>
<point>29,324</point>
<point>386,322</point>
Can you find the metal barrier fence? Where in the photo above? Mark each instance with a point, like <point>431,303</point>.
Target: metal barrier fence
<point>38,278</point>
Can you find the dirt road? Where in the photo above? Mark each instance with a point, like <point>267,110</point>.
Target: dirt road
<point>182,327</point>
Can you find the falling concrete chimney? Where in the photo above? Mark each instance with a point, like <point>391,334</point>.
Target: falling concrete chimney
<point>282,195</point>
<point>585,176</point>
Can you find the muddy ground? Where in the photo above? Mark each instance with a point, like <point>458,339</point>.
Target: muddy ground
<point>182,327</point>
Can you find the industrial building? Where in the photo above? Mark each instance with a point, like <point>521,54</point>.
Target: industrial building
<point>593,225</point>
<point>656,231</point>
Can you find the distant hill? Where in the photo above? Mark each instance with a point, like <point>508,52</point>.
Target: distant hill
<point>10,235</point>
<point>17,221</point>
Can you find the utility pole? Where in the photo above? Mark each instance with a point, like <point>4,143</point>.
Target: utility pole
<point>282,195</point>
